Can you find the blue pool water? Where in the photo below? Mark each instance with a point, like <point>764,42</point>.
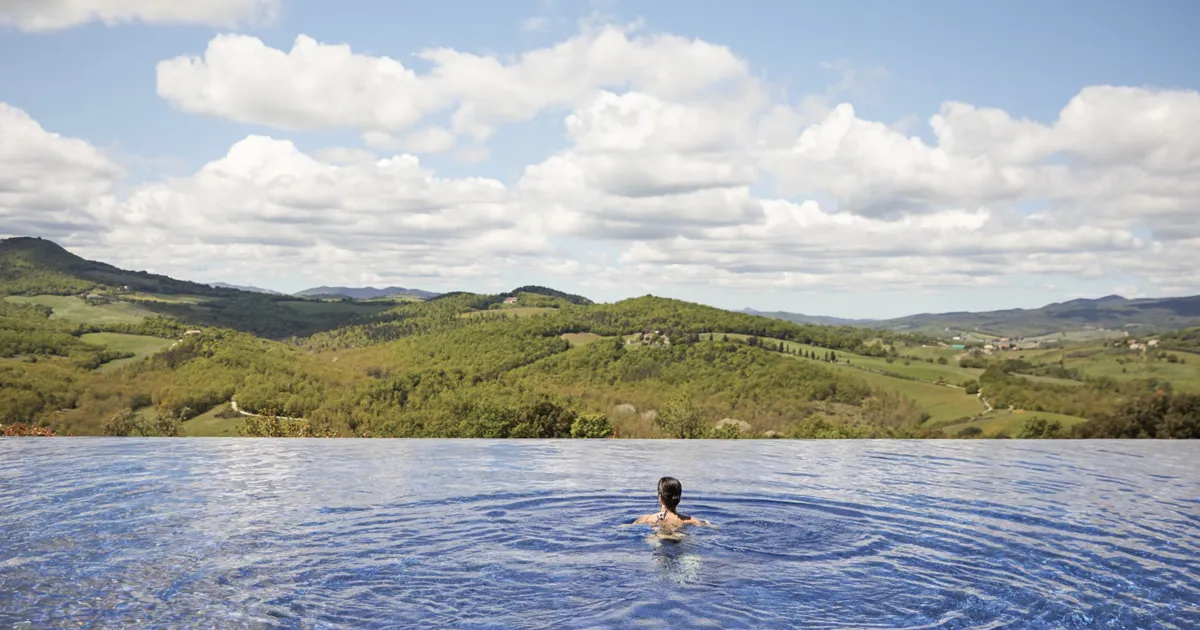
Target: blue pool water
<point>524,534</point>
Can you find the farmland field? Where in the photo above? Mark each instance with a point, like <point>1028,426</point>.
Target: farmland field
<point>1010,422</point>
<point>208,424</point>
<point>950,373</point>
<point>1184,377</point>
<point>78,311</point>
<point>581,339</point>
<point>1050,380</point>
<point>141,346</point>
<point>170,298</point>
<point>943,403</point>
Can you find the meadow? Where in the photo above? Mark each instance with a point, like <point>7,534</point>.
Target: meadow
<point>917,380</point>
<point>141,346</point>
<point>211,424</point>
<point>78,311</point>
<point>1002,423</point>
<point>1184,376</point>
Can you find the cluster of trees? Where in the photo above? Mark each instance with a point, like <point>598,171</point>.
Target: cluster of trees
<point>128,422</point>
<point>1161,415</point>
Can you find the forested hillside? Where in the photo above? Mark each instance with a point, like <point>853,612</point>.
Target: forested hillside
<point>533,362</point>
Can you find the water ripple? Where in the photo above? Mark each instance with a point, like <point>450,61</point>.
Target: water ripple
<point>485,534</point>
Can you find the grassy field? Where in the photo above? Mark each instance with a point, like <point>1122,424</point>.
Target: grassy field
<point>209,425</point>
<point>931,352</point>
<point>76,310</point>
<point>140,345</point>
<point>170,298</point>
<point>1184,377</point>
<point>1051,380</point>
<point>581,339</point>
<point>951,372</point>
<point>1010,422</point>
<point>516,311</point>
<point>943,403</point>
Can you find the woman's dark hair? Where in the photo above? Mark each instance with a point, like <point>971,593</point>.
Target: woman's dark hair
<point>670,491</point>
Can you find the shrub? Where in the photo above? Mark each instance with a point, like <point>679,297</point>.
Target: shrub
<point>25,430</point>
<point>591,425</point>
<point>725,431</point>
<point>274,426</point>
<point>119,424</point>
<point>970,432</point>
<point>681,419</point>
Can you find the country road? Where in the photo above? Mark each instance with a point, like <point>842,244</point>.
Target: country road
<point>233,404</point>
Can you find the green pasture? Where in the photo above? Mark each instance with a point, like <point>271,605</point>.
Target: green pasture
<point>141,346</point>
<point>78,311</point>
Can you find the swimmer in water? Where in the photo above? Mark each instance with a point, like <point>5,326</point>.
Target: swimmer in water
<point>669,493</point>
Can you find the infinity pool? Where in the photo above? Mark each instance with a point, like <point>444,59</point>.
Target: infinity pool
<point>524,534</point>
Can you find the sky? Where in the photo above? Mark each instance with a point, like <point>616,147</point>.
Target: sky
<point>864,159</point>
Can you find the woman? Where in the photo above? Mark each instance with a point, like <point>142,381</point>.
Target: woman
<point>669,493</point>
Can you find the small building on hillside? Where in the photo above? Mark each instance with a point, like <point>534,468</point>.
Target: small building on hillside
<point>655,338</point>
<point>510,300</point>
<point>1152,343</point>
<point>192,332</point>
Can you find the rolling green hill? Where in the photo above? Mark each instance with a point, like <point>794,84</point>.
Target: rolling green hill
<point>39,271</point>
<point>35,266</point>
<point>547,364</point>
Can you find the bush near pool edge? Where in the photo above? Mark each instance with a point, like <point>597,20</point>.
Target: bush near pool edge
<point>591,425</point>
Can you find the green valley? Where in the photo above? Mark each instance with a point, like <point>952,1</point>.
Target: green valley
<point>89,349</point>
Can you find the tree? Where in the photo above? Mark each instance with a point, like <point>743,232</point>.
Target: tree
<point>680,418</point>
<point>832,356</point>
<point>1040,429</point>
<point>120,423</point>
<point>942,361</point>
<point>167,422</point>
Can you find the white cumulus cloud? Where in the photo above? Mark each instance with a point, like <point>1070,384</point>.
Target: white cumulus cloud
<point>326,86</point>
<point>48,182</point>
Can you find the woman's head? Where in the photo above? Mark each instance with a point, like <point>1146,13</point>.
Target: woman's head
<point>669,492</point>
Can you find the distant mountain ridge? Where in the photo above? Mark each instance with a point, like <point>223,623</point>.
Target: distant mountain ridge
<point>1112,312</point>
<point>800,318</point>
<point>239,287</point>
<point>365,293</point>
